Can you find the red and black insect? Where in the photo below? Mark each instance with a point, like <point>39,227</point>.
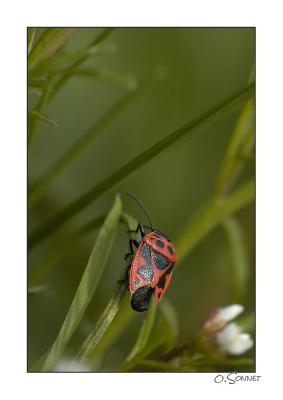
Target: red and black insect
<point>151,267</point>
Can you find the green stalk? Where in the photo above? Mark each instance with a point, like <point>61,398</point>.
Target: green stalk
<point>210,215</point>
<point>82,143</point>
<point>79,204</point>
<point>88,284</point>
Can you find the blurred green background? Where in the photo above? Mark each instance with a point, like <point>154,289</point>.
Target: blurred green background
<point>195,69</point>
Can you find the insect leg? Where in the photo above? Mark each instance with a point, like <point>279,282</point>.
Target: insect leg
<point>126,274</point>
<point>131,243</point>
<point>140,228</point>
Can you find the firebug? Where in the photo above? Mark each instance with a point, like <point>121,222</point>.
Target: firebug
<point>151,267</point>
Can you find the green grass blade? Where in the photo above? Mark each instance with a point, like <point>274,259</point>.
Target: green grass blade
<point>123,318</point>
<point>51,40</point>
<point>110,182</point>
<point>37,188</point>
<point>210,215</point>
<point>43,117</point>
<point>62,81</point>
<point>239,149</point>
<point>145,331</point>
<point>88,284</point>
<point>104,322</point>
<point>42,103</point>
<point>31,36</point>
<point>239,260</point>
<point>111,309</point>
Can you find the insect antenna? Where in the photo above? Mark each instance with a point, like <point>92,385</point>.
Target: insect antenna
<point>141,205</point>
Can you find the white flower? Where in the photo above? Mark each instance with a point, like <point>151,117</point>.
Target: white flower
<point>221,317</point>
<point>231,340</point>
<point>229,313</point>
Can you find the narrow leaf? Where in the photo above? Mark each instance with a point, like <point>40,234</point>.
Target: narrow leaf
<point>122,319</point>
<point>61,82</point>
<point>110,182</point>
<point>111,309</point>
<point>239,260</point>
<point>31,36</point>
<point>209,216</point>
<point>43,117</point>
<point>42,103</point>
<point>145,331</point>
<point>51,40</point>
<point>87,138</point>
<point>103,324</point>
<point>88,284</point>
<point>239,149</point>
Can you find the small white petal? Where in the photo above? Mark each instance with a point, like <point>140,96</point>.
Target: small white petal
<point>232,341</point>
<point>230,312</point>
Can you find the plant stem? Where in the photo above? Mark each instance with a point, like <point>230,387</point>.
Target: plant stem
<point>210,215</point>
<point>79,204</point>
<point>82,143</point>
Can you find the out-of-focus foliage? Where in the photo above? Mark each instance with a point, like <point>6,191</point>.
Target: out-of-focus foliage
<point>167,114</point>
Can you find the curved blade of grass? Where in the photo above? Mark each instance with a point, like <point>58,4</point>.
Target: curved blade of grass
<point>88,284</point>
<point>38,273</point>
<point>122,319</point>
<point>31,36</point>
<point>37,188</point>
<point>111,309</point>
<point>145,331</point>
<point>43,117</point>
<point>239,261</point>
<point>210,215</point>
<point>239,149</point>
<point>104,321</point>
<point>51,40</point>
<point>110,182</point>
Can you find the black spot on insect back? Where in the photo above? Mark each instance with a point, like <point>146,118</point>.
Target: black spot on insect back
<point>145,253</point>
<point>141,297</point>
<point>160,244</point>
<point>161,261</point>
<point>171,251</point>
